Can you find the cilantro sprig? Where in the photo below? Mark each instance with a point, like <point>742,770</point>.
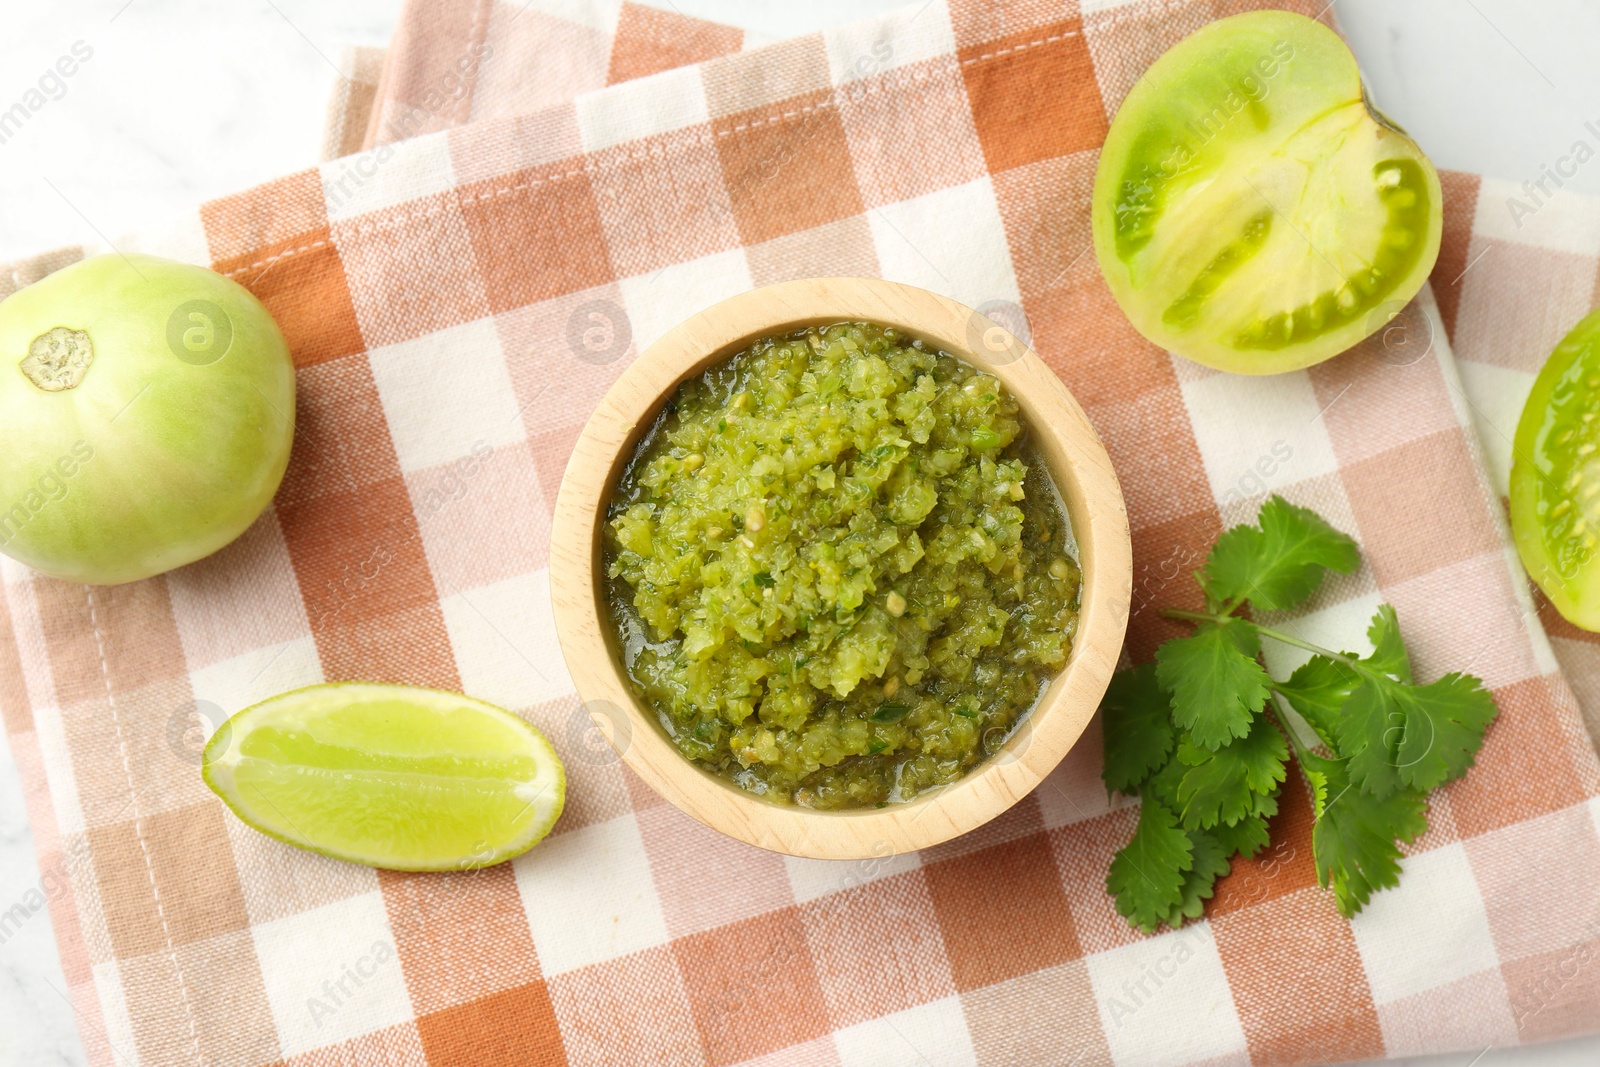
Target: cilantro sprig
<point>1204,735</point>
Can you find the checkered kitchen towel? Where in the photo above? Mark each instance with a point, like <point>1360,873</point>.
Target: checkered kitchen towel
<point>469,60</point>
<point>353,102</point>
<point>1556,250</point>
<point>1519,268</point>
<point>437,299</point>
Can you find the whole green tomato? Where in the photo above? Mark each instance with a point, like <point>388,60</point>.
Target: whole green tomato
<point>145,419</point>
<point>1252,210</point>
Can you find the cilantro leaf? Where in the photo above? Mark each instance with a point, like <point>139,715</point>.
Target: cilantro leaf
<point>1163,785</point>
<point>1136,718</point>
<point>1147,876</point>
<point>1389,651</point>
<point>890,713</point>
<point>1318,690</point>
<point>1249,835</point>
<point>1210,863</point>
<point>1353,840</point>
<point>1190,733</point>
<point>1444,725</point>
<point>1420,736</point>
<point>1278,564</point>
<point>1216,684</point>
<point>1368,731</point>
<point>1220,785</point>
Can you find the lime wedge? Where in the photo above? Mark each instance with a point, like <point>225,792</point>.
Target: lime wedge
<point>388,775</point>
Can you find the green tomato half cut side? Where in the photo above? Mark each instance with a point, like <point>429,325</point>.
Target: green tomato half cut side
<point>390,776</point>
<point>1252,211</point>
<point>1555,477</point>
<point>146,417</point>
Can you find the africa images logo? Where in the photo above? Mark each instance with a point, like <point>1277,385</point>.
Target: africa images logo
<point>444,97</point>
<point>51,85</point>
<point>46,489</point>
<point>1538,190</point>
<point>199,332</point>
<point>1253,88</point>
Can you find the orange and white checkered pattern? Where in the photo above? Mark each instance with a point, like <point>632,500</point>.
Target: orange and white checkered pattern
<point>354,97</point>
<point>438,292</point>
<point>1519,268</point>
<point>469,60</point>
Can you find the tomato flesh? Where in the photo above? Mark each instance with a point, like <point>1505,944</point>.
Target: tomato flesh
<point>1252,212</point>
<point>1555,477</point>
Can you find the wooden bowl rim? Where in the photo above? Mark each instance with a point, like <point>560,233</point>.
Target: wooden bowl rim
<point>1078,463</point>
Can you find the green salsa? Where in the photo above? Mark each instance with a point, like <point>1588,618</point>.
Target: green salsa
<point>838,571</point>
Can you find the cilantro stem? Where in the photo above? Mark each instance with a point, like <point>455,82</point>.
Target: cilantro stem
<point>1272,709</point>
<point>1192,616</point>
<point>1300,750</point>
<point>1267,631</point>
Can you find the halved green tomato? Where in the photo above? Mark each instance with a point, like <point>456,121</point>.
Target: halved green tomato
<point>1555,477</point>
<point>1252,210</point>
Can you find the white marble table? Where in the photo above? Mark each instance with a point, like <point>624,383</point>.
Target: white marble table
<point>183,100</point>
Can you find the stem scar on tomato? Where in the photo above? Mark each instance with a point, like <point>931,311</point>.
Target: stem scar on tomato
<point>58,359</point>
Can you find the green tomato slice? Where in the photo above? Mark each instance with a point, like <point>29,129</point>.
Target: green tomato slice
<point>1252,211</point>
<point>1555,477</point>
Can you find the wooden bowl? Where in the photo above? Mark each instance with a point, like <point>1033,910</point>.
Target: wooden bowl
<point>1062,433</point>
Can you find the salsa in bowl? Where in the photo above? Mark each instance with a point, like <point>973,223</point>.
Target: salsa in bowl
<point>873,636</point>
<point>840,571</point>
